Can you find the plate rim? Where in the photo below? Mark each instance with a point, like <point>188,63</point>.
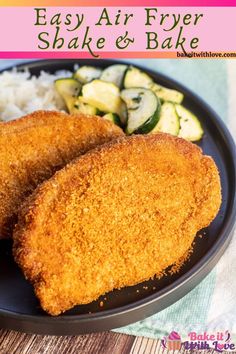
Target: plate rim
<point>208,258</point>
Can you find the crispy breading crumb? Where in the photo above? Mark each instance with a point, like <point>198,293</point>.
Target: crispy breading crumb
<point>34,147</point>
<point>147,197</point>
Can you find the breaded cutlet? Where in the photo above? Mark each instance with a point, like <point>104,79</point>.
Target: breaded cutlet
<point>115,217</point>
<point>34,147</point>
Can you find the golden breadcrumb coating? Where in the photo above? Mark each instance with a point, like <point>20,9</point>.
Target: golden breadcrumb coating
<point>115,217</point>
<point>34,147</point>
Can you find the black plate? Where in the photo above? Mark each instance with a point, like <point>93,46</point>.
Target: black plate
<point>19,309</point>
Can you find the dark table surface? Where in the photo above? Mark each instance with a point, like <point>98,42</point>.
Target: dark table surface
<point>98,343</point>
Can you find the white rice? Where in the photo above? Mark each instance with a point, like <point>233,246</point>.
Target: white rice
<point>21,93</point>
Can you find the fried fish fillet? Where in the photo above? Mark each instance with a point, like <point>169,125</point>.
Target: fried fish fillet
<point>114,217</point>
<point>34,147</point>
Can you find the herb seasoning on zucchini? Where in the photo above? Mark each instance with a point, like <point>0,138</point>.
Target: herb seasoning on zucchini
<point>190,127</point>
<point>169,120</point>
<point>84,108</point>
<point>103,95</point>
<point>166,94</point>
<point>137,78</point>
<point>69,89</point>
<point>143,110</point>
<point>142,107</point>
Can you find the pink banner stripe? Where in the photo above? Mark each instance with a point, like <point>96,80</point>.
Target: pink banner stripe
<point>81,55</point>
<point>77,55</point>
<point>119,3</point>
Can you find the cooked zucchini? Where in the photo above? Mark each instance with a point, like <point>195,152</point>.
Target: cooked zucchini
<point>85,108</point>
<point>115,74</point>
<point>166,94</point>
<point>137,78</point>
<point>123,114</point>
<point>169,120</point>
<point>113,117</point>
<point>103,95</point>
<point>143,109</point>
<point>69,89</point>
<point>190,127</point>
<point>87,73</point>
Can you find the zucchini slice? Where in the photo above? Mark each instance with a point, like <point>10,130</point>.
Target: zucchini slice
<point>103,95</point>
<point>169,120</point>
<point>123,114</point>
<point>85,108</point>
<point>87,73</point>
<point>69,89</point>
<point>137,78</point>
<point>113,117</point>
<point>115,74</point>
<point>166,94</point>
<point>190,127</point>
<point>143,110</point>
